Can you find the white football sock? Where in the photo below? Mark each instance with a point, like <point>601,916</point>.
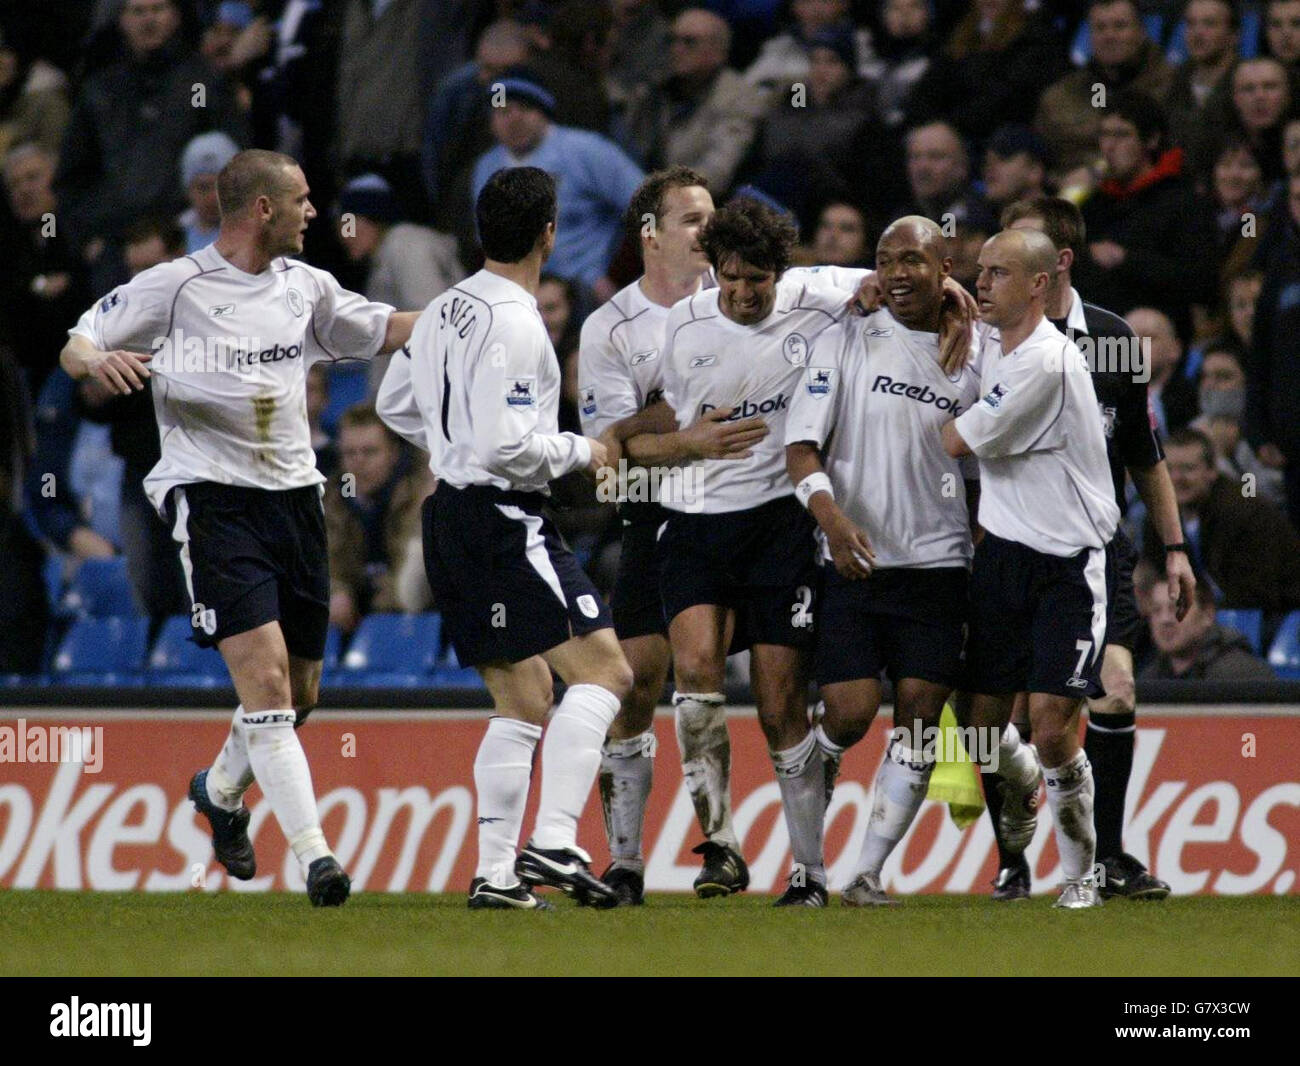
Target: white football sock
<point>832,753</point>
<point>280,766</point>
<point>900,788</point>
<point>1017,761</point>
<point>503,769</point>
<point>232,774</point>
<point>1069,794</point>
<point>705,746</point>
<point>801,775</point>
<point>570,760</point>
<point>626,772</point>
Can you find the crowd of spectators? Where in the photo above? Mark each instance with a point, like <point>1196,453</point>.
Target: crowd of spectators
<point>1175,124</point>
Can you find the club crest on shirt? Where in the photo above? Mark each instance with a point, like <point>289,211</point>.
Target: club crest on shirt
<point>795,349</point>
<point>588,400</point>
<point>821,380</point>
<point>521,392</point>
<point>294,299</point>
<point>702,360</point>
<point>996,395</point>
<point>644,357</point>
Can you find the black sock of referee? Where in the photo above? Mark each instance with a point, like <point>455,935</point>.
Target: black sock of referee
<point>1109,747</point>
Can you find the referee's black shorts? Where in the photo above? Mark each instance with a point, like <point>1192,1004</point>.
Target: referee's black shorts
<point>506,583</point>
<point>1037,621</point>
<point>1123,622</point>
<point>253,556</point>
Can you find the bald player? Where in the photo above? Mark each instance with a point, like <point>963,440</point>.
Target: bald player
<point>1047,506</point>
<point>894,515</point>
<point>228,333</point>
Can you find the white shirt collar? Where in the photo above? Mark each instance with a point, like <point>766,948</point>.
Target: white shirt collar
<point>1075,320</point>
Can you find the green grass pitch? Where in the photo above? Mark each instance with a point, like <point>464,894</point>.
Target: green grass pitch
<point>92,934</point>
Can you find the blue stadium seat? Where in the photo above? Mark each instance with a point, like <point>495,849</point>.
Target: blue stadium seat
<point>176,660</point>
<point>1246,621</point>
<point>457,677</point>
<point>52,571</point>
<point>333,647</point>
<point>1284,657</point>
<point>348,383</point>
<point>101,589</point>
<point>392,649</point>
<point>102,651</point>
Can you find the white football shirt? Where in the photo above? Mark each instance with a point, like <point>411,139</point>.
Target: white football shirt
<point>875,394</point>
<point>620,359</point>
<point>478,387</point>
<point>712,362</point>
<point>230,357</point>
<point>1044,478</point>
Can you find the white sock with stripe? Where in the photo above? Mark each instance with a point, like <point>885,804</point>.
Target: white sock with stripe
<point>280,767</point>
<point>1069,795</point>
<point>503,769</point>
<point>230,776</point>
<point>900,789</point>
<point>570,760</point>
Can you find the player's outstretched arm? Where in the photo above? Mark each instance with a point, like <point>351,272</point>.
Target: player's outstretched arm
<point>851,551</point>
<point>119,371</point>
<point>398,330</point>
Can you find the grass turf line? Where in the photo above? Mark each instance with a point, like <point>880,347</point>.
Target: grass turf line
<point>93,934</point>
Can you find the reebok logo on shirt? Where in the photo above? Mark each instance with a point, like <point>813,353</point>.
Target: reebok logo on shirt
<point>750,410</point>
<point>920,393</point>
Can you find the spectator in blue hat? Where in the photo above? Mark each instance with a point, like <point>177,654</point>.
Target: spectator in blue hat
<point>407,264</point>
<point>201,162</point>
<point>594,178</point>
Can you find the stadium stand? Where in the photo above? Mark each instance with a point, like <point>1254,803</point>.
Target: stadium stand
<point>284,75</point>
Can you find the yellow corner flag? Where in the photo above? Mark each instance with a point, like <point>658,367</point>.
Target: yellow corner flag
<point>955,780</point>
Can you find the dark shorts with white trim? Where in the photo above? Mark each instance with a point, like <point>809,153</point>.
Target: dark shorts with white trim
<point>761,562</point>
<point>904,622</point>
<point>253,556</point>
<point>1123,622</point>
<point>506,583</point>
<point>1037,621</point>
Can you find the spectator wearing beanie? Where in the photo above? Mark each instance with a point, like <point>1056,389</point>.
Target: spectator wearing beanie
<point>201,162</point>
<point>826,143</point>
<point>594,178</point>
<point>407,264</point>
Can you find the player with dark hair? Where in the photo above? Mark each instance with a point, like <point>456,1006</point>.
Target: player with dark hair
<point>480,392</point>
<point>736,559</point>
<point>1119,378</point>
<point>227,334</point>
<point>620,373</point>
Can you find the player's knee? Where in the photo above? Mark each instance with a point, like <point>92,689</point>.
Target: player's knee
<point>1056,743</point>
<point>847,722</point>
<point>1121,695</point>
<point>697,671</point>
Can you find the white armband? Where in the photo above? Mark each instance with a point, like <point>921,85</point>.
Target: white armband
<point>813,483</point>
